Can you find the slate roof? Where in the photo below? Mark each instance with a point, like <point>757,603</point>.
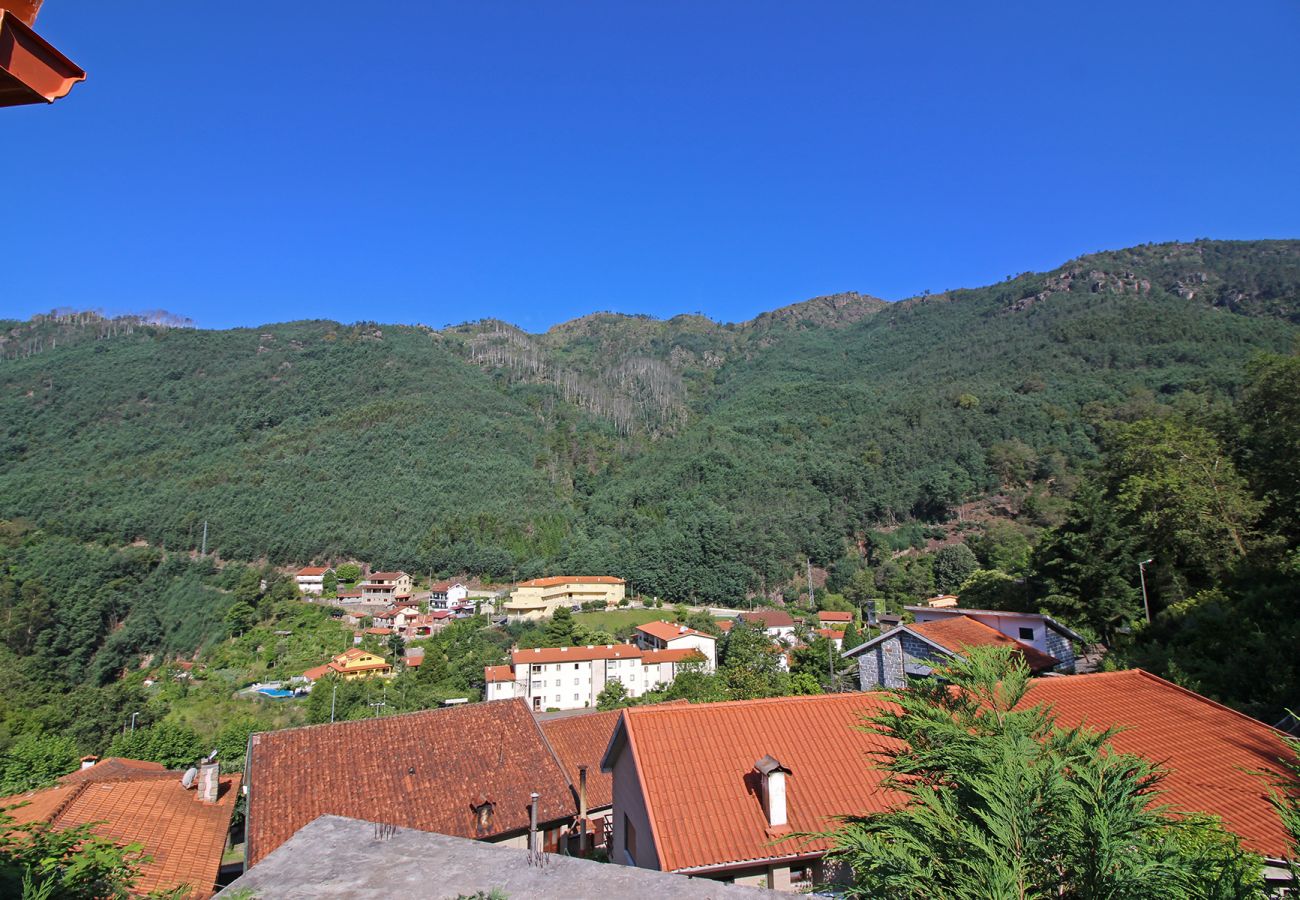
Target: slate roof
<point>184,836</point>
<point>423,770</point>
<point>962,632</point>
<point>582,739</point>
<point>695,763</point>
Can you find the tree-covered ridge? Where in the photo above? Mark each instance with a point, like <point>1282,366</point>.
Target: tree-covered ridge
<point>775,440</point>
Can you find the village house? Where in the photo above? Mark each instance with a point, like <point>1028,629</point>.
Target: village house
<point>834,635</point>
<point>540,597</point>
<point>182,829</point>
<point>943,601</point>
<point>470,771</point>
<point>573,677</point>
<point>352,664</point>
<point>385,587</point>
<point>426,624</point>
<point>1041,632</point>
<point>912,651</point>
<point>396,617</point>
<point>762,773</point>
<point>446,594</point>
<point>776,622</point>
<point>834,619</point>
<point>667,636</point>
<point>311,580</point>
<point>579,741</point>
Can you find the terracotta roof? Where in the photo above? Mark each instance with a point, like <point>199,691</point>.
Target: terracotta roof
<point>423,770</point>
<point>385,576</point>
<point>557,580</point>
<point>694,763</point>
<point>498,673</point>
<point>684,654</point>
<point>960,632</point>
<point>831,634</point>
<point>996,613</point>
<point>827,615</point>
<point>379,631</point>
<point>112,767</point>
<point>724,625</point>
<point>341,595</point>
<point>310,571</point>
<point>184,836</point>
<point>581,740</point>
<point>442,587</point>
<point>317,672</point>
<point>1208,749</point>
<point>576,654</point>
<point>413,662</point>
<point>768,618</point>
<point>667,631</point>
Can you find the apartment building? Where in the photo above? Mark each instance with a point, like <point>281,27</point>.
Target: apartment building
<point>540,597</point>
<point>573,677</point>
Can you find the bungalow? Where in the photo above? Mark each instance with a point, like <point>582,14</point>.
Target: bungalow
<point>1041,632</point>
<point>311,580</point>
<point>182,831</point>
<point>663,635</point>
<point>776,622</point>
<point>829,618</point>
<point>350,665</point>
<point>729,790</point>
<point>426,771</point>
<point>446,594</point>
<point>912,651</point>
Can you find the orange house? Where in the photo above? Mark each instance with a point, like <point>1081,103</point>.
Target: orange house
<point>351,664</point>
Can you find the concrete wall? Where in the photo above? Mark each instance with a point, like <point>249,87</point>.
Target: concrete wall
<point>629,802</point>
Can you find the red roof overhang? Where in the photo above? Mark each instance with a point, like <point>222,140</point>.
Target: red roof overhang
<point>31,70</point>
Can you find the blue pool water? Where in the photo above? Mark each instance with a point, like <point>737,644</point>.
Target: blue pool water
<point>278,693</point>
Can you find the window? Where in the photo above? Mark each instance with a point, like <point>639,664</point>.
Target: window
<point>629,840</point>
<point>577,697</point>
<point>537,668</point>
<point>576,665</point>
<point>1026,634</point>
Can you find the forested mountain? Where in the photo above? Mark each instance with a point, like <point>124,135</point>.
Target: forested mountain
<point>696,458</point>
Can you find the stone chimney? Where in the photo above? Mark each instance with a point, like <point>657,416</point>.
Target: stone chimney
<point>773,776</point>
<point>209,782</point>
<point>88,761</point>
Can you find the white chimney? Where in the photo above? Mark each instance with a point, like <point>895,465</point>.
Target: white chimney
<point>209,782</point>
<point>88,761</point>
<point>773,775</point>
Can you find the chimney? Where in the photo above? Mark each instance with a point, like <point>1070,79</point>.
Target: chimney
<point>88,761</point>
<point>582,808</point>
<point>209,782</point>
<point>532,820</point>
<point>773,776</point>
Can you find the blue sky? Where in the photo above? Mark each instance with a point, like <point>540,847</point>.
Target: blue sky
<point>429,161</point>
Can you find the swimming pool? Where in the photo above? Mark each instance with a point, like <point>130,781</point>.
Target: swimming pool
<point>277,693</point>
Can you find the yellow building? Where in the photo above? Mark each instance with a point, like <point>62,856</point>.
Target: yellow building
<point>540,597</point>
<point>352,664</point>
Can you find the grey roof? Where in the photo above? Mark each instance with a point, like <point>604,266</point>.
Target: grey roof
<point>336,857</point>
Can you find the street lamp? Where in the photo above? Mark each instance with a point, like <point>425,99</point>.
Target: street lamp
<point>133,715</point>
<point>1142,573</point>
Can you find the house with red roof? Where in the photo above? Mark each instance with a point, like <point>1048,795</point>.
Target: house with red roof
<point>558,678</point>
<point>727,790</point>
<point>540,597</point>
<point>183,830</point>
<point>663,635</point>
<point>776,622</point>
<point>447,594</point>
<point>830,618</point>
<point>1041,632</point>
<point>353,663</point>
<point>386,588</point>
<point>913,651</point>
<point>311,580</point>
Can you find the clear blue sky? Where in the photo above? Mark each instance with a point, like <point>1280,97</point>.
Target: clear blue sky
<point>535,160</point>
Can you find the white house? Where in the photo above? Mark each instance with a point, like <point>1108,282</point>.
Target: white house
<point>573,677</point>
<point>447,594</point>
<point>1041,632</point>
<point>311,580</point>
<point>777,623</point>
<point>667,636</point>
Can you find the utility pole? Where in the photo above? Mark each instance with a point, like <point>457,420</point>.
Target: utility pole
<point>203,551</point>
<point>812,602</point>
<point>333,698</point>
<point>1142,573</point>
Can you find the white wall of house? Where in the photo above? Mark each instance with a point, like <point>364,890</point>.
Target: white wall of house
<point>1028,628</point>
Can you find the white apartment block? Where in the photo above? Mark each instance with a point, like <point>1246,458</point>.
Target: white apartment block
<point>573,677</point>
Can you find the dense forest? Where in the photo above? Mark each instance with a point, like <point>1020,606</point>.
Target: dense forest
<point>1028,442</point>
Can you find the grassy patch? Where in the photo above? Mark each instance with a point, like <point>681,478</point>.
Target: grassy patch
<point>613,619</point>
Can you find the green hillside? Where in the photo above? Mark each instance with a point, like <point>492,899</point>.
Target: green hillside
<point>698,459</point>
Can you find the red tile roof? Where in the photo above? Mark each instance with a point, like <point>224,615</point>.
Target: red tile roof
<point>575,654</point>
<point>347,595</point>
<point>184,836</point>
<point>694,762</point>
<point>313,570</point>
<point>667,631</point>
<point>112,767</point>
<point>960,632</point>
<point>498,673</point>
<point>423,770</point>
<point>579,740</point>
<point>557,580</point>
<point>834,616</point>
<point>831,634</point>
<point>768,618</point>
<point>385,576</point>
<point>724,625</point>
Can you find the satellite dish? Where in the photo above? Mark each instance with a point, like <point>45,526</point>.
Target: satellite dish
<point>187,780</point>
